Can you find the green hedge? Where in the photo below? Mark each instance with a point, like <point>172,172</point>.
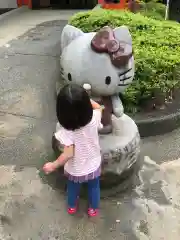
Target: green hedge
<point>153,9</point>
<point>156,47</point>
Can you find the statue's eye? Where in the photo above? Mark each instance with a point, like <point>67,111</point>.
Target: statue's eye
<point>69,77</point>
<point>108,80</point>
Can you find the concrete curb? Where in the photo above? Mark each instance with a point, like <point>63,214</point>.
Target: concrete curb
<point>4,17</point>
<point>158,125</point>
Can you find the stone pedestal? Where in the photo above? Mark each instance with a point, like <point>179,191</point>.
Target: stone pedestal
<point>120,154</point>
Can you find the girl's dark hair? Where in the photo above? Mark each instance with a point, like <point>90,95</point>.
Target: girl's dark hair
<point>73,107</point>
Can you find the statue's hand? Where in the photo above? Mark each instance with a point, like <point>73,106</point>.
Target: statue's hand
<point>118,109</point>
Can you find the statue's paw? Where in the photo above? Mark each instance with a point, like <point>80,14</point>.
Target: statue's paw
<point>106,129</point>
<point>118,112</point>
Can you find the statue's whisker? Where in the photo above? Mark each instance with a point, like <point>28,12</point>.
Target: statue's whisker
<point>121,74</point>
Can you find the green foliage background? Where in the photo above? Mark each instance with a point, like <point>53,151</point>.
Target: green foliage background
<point>156,46</point>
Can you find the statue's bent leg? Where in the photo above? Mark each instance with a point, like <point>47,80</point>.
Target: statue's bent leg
<point>118,109</point>
<point>106,116</point>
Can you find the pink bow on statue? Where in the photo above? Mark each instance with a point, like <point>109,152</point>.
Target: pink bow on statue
<point>105,42</point>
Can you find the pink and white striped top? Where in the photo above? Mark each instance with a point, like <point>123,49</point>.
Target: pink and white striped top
<point>85,164</point>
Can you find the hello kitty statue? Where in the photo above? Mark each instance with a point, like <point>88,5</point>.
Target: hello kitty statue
<point>104,61</point>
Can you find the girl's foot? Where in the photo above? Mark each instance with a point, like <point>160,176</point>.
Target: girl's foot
<point>72,211</point>
<point>92,212</point>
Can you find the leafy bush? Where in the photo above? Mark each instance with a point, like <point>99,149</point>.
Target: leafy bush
<point>153,9</point>
<point>156,47</point>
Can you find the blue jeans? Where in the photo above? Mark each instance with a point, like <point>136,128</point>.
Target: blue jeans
<point>73,190</point>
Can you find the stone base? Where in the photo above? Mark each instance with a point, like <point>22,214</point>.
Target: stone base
<point>120,154</point>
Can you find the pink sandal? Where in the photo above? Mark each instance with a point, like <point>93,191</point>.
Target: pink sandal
<point>92,212</point>
<point>72,211</point>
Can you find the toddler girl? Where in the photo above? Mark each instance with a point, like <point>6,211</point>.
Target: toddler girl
<point>80,119</point>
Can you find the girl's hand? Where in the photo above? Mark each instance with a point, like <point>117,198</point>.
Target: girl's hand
<point>95,105</point>
<point>49,168</point>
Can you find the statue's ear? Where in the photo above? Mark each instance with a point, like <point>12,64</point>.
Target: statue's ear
<point>69,33</point>
<point>122,34</point>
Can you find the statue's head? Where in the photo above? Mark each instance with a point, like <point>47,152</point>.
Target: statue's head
<point>103,59</point>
